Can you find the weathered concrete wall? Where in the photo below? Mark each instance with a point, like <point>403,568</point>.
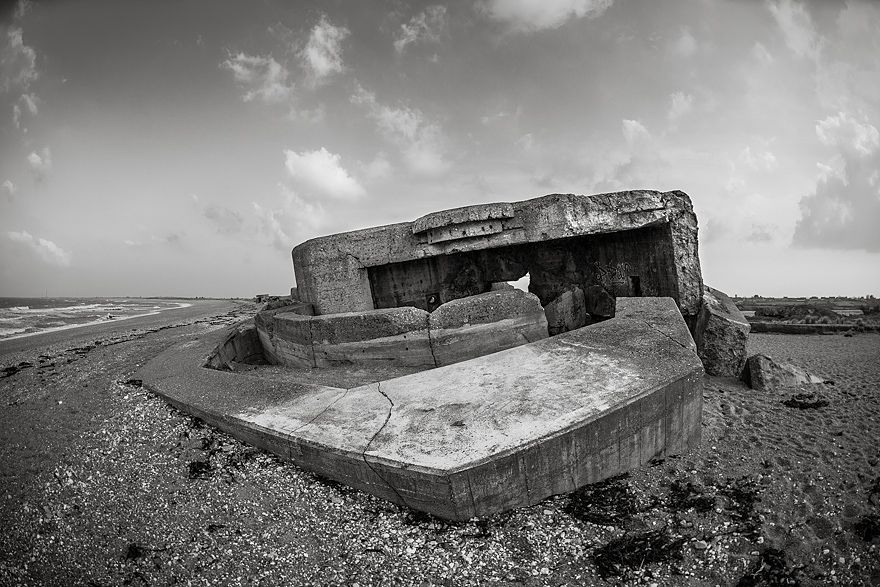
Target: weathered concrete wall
<point>333,272</point>
<point>457,331</point>
<point>240,347</point>
<point>483,324</point>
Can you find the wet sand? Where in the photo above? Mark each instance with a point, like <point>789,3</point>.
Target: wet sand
<point>103,484</point>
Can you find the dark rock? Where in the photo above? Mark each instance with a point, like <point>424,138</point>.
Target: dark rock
<point>765,374</point>
<point>599,303</point>
<point>721,333</point>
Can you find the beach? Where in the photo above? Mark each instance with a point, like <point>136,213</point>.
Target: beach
<point>103,483</point>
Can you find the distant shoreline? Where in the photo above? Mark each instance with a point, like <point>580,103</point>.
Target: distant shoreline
<point>180,305</point>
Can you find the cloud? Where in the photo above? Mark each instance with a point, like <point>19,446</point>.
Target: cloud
<point>842,210</point>
<point>225,220</point>
<point>680,104</point>
<point>18,62</point>
<point>378,168</point>
<point>322,55</point>
<point>48,251</point>
<point>797,27</point>
<point>761,54</point>
<point>321,172</point>
<point>263,78</point>
<point>634,131</point>
<point>685,45</point>
<point>29,101</point>
<point>757,160</point>
<point>425,27</point>
<point>849,134</point>
<point>528,16</point>
<point>295,221</point>
<point>9,188</point>
<point>270,226</point>
<point>420,140</point>
<point>40,163</point>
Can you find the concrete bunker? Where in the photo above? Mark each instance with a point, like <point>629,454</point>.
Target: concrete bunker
<point>630,263</point>
<point>408,366</point>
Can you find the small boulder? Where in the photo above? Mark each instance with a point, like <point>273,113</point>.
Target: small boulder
<point>721,333</point>
<point>765,374</point>
<point>566,312</point>
<point>599,303</point>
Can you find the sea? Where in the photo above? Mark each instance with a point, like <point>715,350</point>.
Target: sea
<point>28,316</point>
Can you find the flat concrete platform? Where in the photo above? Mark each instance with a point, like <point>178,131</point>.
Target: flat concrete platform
<point>474,438</point>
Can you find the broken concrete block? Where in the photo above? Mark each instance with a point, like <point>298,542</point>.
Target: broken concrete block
<point>721,333</point>
<point>566,312</point>
<point>487,323</point>
<point>765,374</point>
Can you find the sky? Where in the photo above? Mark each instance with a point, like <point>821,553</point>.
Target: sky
<point>184,148</point>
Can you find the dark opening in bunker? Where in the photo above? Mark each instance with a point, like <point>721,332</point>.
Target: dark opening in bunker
<point>635,263</point>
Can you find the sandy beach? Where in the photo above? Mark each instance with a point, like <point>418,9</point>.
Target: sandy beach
<point>102,483</point>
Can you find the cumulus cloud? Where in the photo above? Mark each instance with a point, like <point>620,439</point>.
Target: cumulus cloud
<point>634,131</point>
<point>322,173</point>
<point>685,44</point>
<point>297,219</point>
<point>270,225</point>
<point>420,140</point>
<point>18,62</point>
<point>40,163</point>
<point>528,16</point>
<point>9,188</point>
<point>848,133</point>
<point>424,27</point>
<point>29,104</point>
<point>45,249</point>
<point>378,168</point>
<point>262,77</point>
<point>797,27</point>
<point>843,209</point>
<point>680,104</point>
<point>322,55</point>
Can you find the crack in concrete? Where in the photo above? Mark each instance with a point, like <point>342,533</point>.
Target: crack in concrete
<point>379,431</point>
<point>431,345</point>
<point>355,257</point>
<point>673,339</point>
<point>321,413</point>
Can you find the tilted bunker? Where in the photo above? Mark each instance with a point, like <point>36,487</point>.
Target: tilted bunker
<point>455,394</point>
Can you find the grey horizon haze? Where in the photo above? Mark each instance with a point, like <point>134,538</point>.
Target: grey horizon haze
<point>169,148</point>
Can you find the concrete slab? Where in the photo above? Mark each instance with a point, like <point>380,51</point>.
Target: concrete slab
<point>477,437</point>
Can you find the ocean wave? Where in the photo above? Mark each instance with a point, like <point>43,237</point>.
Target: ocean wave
<point>11,331</point>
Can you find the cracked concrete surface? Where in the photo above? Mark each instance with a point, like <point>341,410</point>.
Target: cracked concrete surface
<point>480,436</point>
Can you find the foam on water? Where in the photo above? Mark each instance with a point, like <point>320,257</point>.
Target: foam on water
<point>20,317</point>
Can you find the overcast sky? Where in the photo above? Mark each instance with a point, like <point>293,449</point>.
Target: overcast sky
<point>183,148</point>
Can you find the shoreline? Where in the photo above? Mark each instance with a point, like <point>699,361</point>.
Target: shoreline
<point>180,305</point>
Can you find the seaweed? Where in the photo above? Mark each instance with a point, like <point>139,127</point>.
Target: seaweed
<point>743,494</point>
<point>806,401</point>
<point>684,496</point>
<point>771,569</point>
<point>632,551</point>
<point>868,527</point>
<point>607,502</point>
